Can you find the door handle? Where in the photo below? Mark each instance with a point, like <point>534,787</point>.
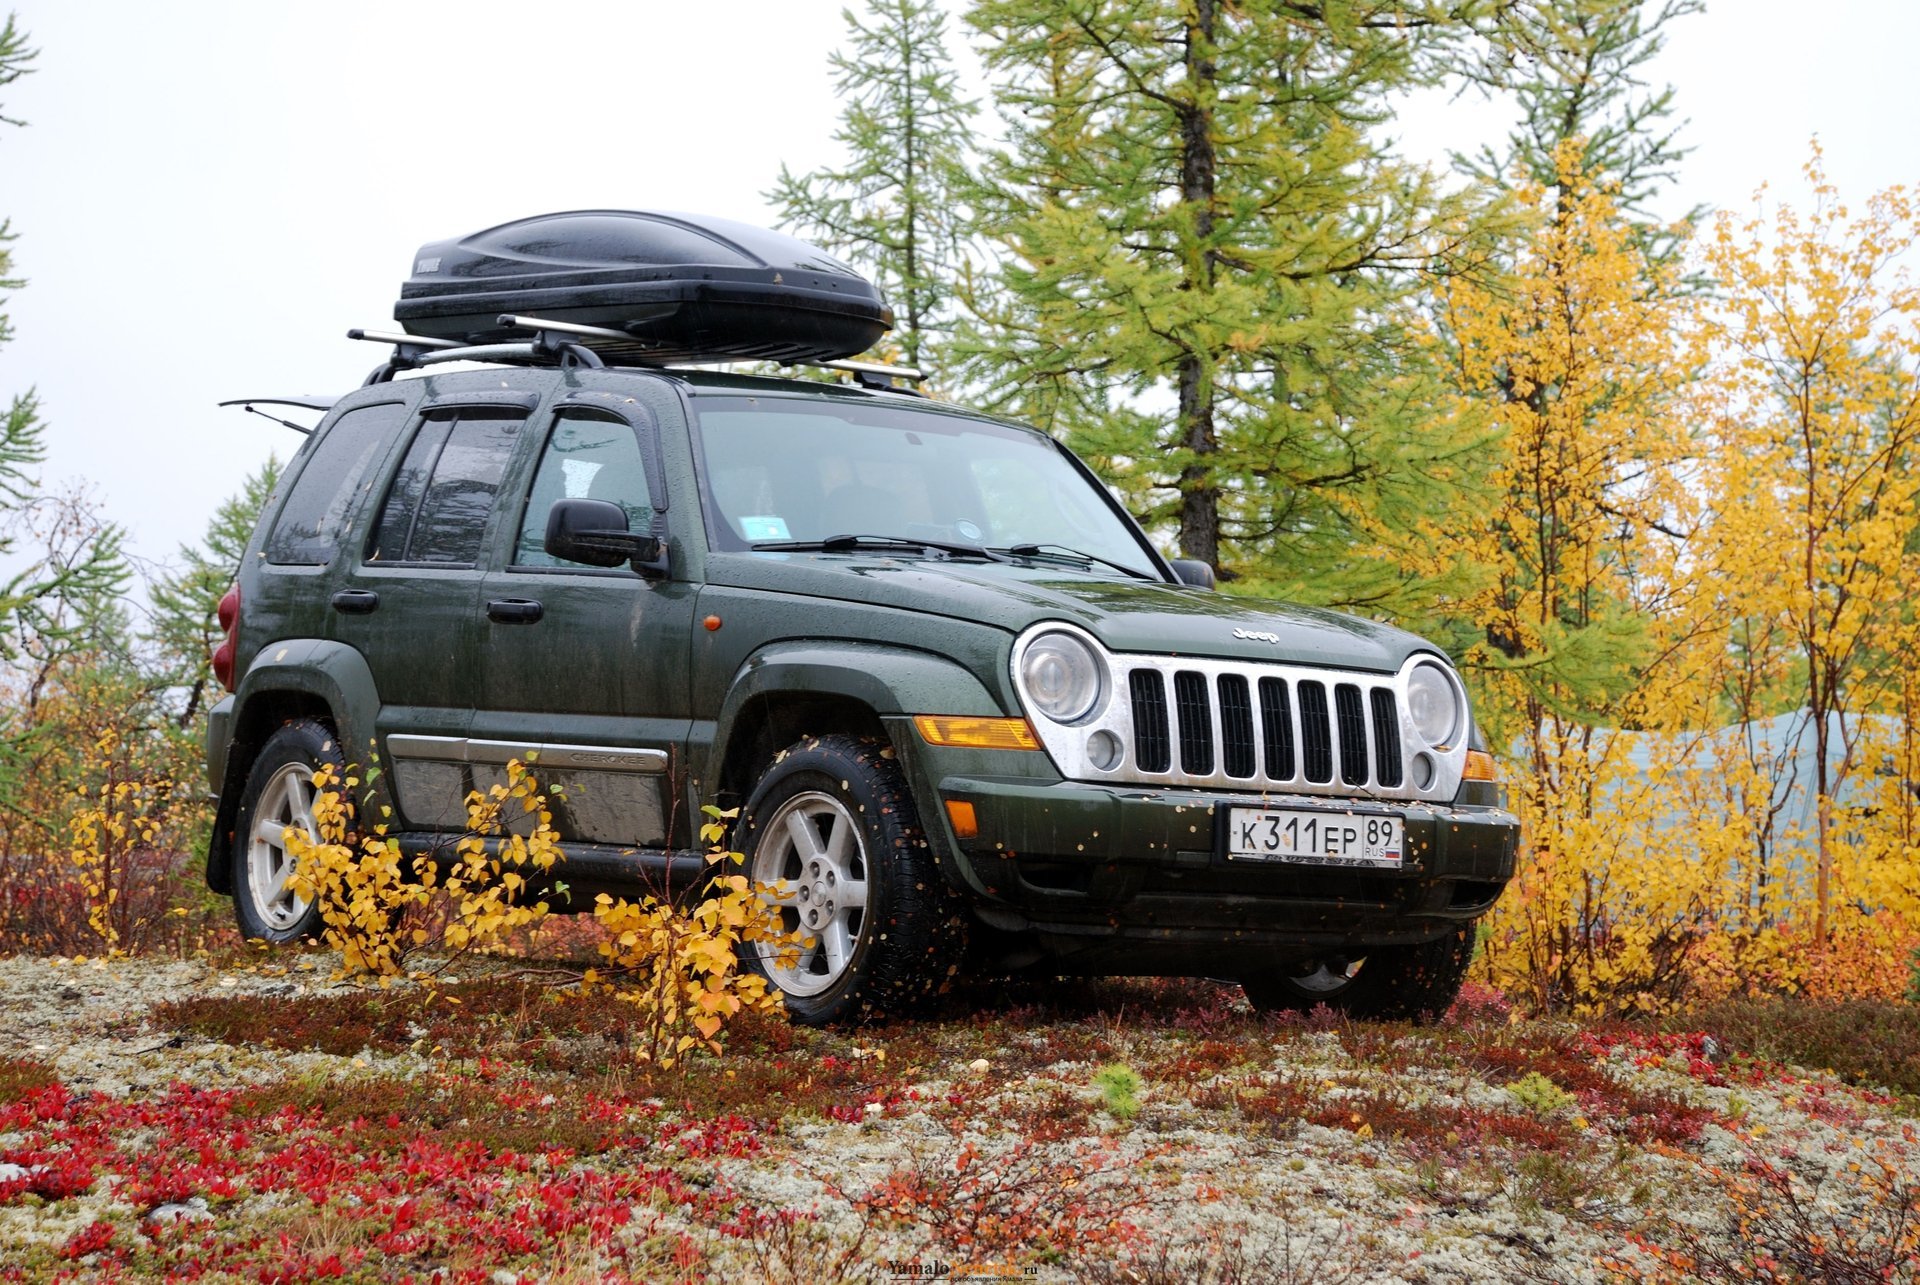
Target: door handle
<point>356,602</point>
<point>514,611</point>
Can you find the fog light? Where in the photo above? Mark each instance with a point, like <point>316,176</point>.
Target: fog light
<point>1103,750</point>
<point>1422,767</point>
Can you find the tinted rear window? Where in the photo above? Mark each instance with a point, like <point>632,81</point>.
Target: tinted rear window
<point>436,510</point>
<point>328,489</point>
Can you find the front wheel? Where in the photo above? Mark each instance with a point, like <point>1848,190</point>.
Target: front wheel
<point>834,843</point>
<point>1389,983</point>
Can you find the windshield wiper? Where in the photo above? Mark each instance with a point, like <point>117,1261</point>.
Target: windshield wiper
<point>1068,552</point>
<point>848,543</point>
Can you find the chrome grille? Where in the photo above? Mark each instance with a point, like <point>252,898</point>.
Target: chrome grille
<point>1214,730</point>
<point>1247,726</point>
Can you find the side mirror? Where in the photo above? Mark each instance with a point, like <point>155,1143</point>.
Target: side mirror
<point>595,532</point>
<point>1192,571</point>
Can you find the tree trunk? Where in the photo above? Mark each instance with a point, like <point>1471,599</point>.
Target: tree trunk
<point>1199,493</point>
<point>1823,814</point>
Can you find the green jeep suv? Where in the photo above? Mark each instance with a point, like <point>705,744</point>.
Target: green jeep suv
<point>971,718</point>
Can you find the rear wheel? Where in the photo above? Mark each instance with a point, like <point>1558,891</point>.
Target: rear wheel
<point>1392,983</point>
<point>831,835</point>
<point>279,796</point>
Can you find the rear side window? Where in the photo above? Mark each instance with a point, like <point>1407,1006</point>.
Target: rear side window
<point>436,509</point>
<point>330,486</point>
<point>587,457</point>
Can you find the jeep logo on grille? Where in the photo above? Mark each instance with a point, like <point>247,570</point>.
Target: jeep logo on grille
<point>1255,636</point>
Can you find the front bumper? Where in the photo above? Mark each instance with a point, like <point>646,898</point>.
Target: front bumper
<point>1133,879</point>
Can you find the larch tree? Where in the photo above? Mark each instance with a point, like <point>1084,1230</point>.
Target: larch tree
<point>895,207</point>
<point>185,627</point>
<point>1575,71</point>
<point>1210,260</point>
<point>1578,376</point>
<point>70,569</point>
<point>1578,356</point>
<point>1575,349</point>
<point>21,441</point>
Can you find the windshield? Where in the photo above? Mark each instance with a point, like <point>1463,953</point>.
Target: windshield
<point>777,469</point>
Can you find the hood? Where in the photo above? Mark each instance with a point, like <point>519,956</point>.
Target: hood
<point>1126,615</point>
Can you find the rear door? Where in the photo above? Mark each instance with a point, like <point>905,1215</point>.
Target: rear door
<point>409,601</point>
<point>326,488</point>
<point>586,664</point>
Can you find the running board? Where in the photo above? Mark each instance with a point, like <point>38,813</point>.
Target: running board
<point>589,868</point>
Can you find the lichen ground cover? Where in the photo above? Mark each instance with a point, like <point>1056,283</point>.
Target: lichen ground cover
<point>256,1123</point>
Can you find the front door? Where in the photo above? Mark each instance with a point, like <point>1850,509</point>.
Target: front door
<point>586,665</point>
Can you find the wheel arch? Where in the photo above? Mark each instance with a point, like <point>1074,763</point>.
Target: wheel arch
<point>788,690</point>
<point>291,679</point>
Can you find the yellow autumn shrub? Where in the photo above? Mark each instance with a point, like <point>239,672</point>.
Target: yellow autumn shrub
<point>679,965</point>
<point>1695,585</point>
<point>482,878</point>
<point>673,955</point>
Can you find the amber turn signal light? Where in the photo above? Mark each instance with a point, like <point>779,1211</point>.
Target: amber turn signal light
<point>1481,767</point>
<point>965,824</point>
<point>977,733</point>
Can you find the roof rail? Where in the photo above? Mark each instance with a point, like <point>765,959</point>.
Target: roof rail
<point>554,343</point>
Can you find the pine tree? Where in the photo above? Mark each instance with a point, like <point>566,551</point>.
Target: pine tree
<point>185,626</point>
<point>1211,265</point>
<point>894,208</point>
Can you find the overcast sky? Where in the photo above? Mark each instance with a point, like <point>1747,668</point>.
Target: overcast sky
<point>209,194</point>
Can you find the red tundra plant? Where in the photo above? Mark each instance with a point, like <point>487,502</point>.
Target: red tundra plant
<point>1480,1005</point>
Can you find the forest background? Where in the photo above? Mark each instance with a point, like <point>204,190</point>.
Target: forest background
<point>1651,483</point>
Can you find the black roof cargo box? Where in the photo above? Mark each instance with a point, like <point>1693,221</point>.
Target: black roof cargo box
<point>686,287</point>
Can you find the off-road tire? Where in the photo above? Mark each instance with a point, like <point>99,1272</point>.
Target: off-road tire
<point>301,747</point>
<point>912,929</point>
<point>1393,983</point>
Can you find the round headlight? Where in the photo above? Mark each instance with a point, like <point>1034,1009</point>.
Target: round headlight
<point>1062,677</point>
<point>1433,704</point>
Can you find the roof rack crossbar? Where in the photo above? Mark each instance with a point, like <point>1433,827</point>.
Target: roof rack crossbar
<point>911,374</point>
<point>400,339</point>
<point>410,352</point>
<point>515,322</point>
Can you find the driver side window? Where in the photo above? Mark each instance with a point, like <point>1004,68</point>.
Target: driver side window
<point>587,456</point>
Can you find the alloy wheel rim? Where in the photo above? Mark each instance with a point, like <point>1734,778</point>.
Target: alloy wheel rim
<point>1328,978</point>
<point>286,803</point>
<point>811,867</point>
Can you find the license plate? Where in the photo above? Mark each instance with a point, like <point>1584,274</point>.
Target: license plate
<point>1314,838</point>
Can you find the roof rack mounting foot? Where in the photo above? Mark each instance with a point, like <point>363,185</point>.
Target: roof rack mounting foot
<point>875,375</point>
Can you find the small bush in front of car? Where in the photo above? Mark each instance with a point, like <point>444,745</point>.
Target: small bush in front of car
<point>679,966</point>
<point>364,889</point>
